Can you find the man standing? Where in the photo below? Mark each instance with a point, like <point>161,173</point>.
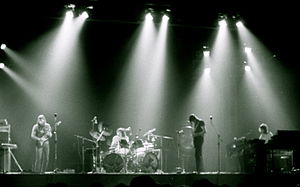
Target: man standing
<point>198,127</point>
<point>41,132</point>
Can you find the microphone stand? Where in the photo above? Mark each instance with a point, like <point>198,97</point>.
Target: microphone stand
<point>180,167</point>
<point>219,145</point>
<point>55,145</point>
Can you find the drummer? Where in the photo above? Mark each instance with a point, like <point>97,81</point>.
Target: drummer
<point>100,133</point>
<point>120,142</point>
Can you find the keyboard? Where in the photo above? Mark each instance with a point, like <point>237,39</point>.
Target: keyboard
<point>8,145</point>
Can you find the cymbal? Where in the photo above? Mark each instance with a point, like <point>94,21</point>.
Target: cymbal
<point>187,127</point>
<point>106,133</point>
<point>167,137</point>
<point>149,132</point>
<point>97,135</point>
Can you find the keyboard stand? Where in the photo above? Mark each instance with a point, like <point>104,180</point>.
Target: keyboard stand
<point>14,158</point>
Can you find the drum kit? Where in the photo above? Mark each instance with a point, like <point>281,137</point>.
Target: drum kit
<point>137,155</point>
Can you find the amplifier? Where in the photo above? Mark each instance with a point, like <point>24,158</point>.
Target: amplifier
<point>280,161</point>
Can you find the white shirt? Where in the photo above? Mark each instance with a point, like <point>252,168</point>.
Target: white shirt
<point>266,136</point>
<point>115,144</point>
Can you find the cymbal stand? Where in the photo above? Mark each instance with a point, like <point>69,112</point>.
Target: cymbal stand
<point>55,144</point>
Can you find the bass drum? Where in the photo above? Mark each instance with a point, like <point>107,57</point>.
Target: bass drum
<point>113,162</point>
<point>149,163</point>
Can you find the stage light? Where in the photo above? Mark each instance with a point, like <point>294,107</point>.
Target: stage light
<point>70,10</point>
<point>247,68</point>
<point>149,16</point>
<point>165,18</point>
<point>222,20</point>
<point>222,23</point>
<point>248,50</point>
<point>239,24</point>
<point>3,46</point>
<point>84,14</point>
<point>207,70</point>
<point>2,65</point>
<point>70,6</point>
<point>69,14</point>
<point>206,51</point>
<point>166,14</point>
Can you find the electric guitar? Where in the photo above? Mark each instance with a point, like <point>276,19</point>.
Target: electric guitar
<point>45,137</point>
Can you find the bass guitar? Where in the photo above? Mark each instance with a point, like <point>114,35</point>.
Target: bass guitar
<point>46,137</point>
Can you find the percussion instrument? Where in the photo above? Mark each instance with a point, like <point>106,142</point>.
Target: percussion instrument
<point>124,144</point>
<point>147,162</point>
<point>136,145</point>
<point>113,162</point>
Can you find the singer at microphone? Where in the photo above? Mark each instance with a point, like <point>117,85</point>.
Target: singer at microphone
<point>199,131</point>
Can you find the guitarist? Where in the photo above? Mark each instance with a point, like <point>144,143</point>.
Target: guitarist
<point>41,132</point>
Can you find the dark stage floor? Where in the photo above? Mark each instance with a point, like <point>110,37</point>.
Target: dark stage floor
<point>113,179</point>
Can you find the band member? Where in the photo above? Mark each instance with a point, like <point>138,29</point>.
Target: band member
<point>265,134</point>
<point>41,132</point>
<point>99,133</point>
<point>198,127</point>
<point>120,142</point>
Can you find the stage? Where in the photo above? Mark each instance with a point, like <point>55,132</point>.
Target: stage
<point>175,179</point>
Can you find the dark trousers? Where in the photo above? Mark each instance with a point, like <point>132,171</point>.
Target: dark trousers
<point>198,142</point>
<point>198,158</point>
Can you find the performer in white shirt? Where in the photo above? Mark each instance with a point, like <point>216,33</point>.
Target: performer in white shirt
<point>265,134</point>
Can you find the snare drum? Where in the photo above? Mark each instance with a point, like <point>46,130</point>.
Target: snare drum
<point>113,162</point>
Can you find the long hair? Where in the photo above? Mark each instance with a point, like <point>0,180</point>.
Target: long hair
<point>192,117</point>
<point>122,132</point>
<point>41,116</point>
<point>263,128</point>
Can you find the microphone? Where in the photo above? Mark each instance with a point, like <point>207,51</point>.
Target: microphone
<point>94,119</point>
<point>55,116</point>
<point>210,117</point>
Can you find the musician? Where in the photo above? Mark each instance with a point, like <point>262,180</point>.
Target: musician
<point>198,128</point>
<point>99,133</point>
<point>120,141</point>
<point>265,134</point>
<point>41,132</point>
